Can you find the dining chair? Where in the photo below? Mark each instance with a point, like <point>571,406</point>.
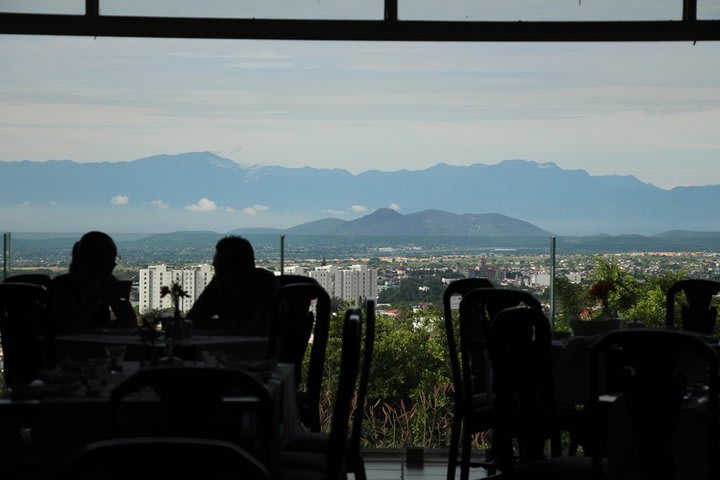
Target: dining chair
<point>698,315</point>
<point>476,415</point>
<point>34,278</point>
<point>221,403</point>
<point>477,307</point>
<point>288,278</point>
<point>656,392</point>
<point>356,461</point>
<point>324,456</point>
<point>24,328</point>
<point>519,347</point>
<point>179,458</point>
<point>303,313</point>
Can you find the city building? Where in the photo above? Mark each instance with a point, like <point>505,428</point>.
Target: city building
<point>193,280</point>
<point>349,284</point>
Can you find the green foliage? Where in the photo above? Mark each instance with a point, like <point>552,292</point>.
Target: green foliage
<point>410,395</point>
<point>414,290</point>
<point>627,288</point>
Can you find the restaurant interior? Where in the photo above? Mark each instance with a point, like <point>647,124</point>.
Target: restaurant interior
<point>629,402</point>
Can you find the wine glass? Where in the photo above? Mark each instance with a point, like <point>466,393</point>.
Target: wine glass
<point>116,354</point>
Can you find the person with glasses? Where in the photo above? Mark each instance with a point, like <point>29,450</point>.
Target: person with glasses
<point>89,296</point>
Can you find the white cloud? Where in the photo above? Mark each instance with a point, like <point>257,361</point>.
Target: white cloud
<point>25,203</point>
<point>52,203</point>
<point>338,213</point>
<point>359,208</point>
<point>157,203</point>
<point>394,206</point>
<point>202,205</point>
<point>255,209</point>
<point>229,210</point>
<point>120,200</point>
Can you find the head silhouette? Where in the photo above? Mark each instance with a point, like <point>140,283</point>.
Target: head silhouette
<point>94,255</point>
<point>234,259</point>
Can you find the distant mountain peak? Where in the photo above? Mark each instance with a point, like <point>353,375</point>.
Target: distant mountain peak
<point>385,212</point>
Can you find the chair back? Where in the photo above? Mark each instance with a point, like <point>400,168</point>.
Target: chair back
<point>24,331</point>
<point>34,278</point>
<point>697,315</point>
<point>454,289</point>
<point>197,401</point>
<point>287,279</point>
<point>349,366</point>
<point>355,460</point>
<point>477,308</point>
<point>179,458</point>
<point>303,311</point>
<point>519,347</point>
<point>657,374</point>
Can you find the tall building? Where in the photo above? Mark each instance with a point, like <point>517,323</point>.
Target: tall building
<point>193,280</point>
<point>351,283</point>
<point>325,276</point>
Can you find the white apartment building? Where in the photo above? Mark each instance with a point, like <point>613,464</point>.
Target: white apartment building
<point>325,276</point>
<point>193,280</point>
<point>294,270</point>
<point>352,283</point>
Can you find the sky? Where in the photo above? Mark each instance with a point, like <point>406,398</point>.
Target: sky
<point>647,109</point>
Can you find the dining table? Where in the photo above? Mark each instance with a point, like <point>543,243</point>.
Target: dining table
<point>570,359</point>
<point>91,344</point>
<point>68,407</point>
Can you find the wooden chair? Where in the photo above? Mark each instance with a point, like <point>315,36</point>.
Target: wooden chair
<point>323,456</point>
<point>649,381</point>
<point>697,316</point>
<point>179,458</point>
<point>356,462</point>
<point>477,307</point>
<point>296,320</point>
<point>26,336</point>
<point>476,415</point>
<point>519,347</point>
<point>34,278</point>
<point>221,403</point>
<point>287,279</point>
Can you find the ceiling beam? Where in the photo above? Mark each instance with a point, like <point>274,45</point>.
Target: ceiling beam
<point>363,30</point>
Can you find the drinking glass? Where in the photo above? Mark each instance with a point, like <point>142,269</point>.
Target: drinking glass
<point>116,354</point>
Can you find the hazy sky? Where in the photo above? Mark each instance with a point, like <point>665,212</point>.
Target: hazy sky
<point>647,109</point>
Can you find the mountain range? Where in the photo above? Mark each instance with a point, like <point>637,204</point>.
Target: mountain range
<point>202,191</point>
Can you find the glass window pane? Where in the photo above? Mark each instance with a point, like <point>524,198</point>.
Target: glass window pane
<point>67,7</point>
<point>291,9</point>
<point>540,10</point>
<point>708,9</point>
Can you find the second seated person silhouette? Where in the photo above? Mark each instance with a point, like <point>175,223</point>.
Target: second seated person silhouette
<point>239,298</point>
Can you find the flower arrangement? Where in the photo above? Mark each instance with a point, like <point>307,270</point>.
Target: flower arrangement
<point>176,292</point>
<point>601,291</point>
<point>149,327</point>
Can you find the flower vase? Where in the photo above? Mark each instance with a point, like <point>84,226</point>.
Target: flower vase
<point>178,326</point>
<point>603,323</point>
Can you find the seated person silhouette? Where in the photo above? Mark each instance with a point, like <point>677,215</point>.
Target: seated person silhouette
<point>89,296</point>
<point>239,298</point>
